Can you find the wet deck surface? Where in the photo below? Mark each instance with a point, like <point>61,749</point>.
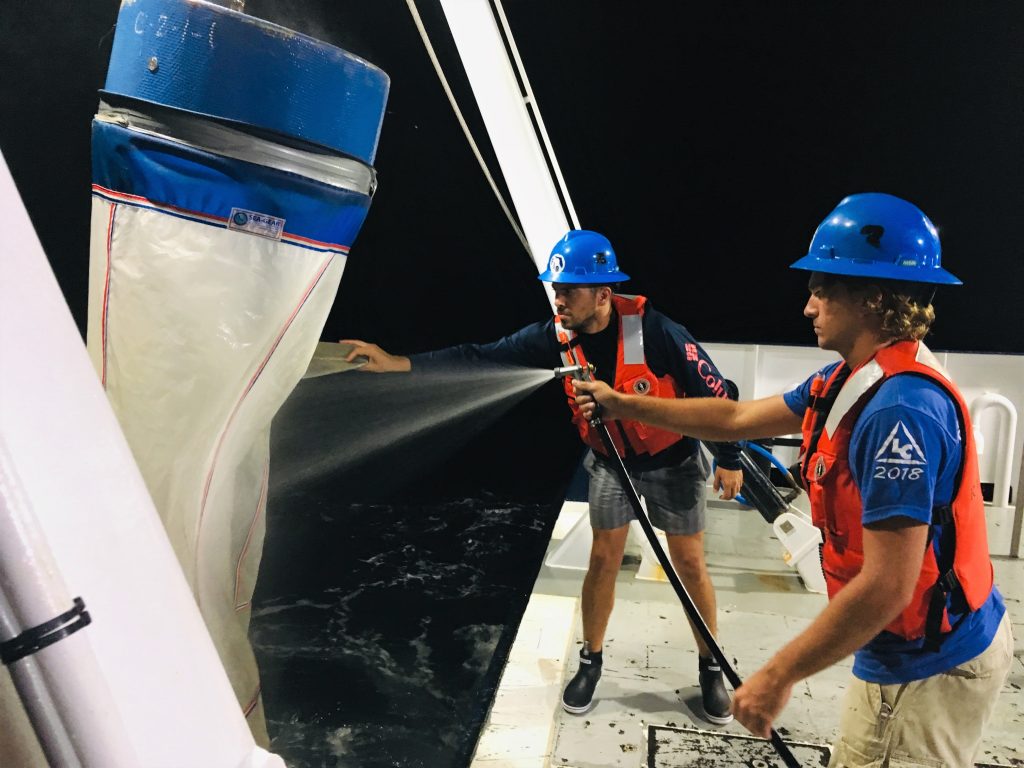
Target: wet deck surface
<point>668,746</point>
<point>650,668</point>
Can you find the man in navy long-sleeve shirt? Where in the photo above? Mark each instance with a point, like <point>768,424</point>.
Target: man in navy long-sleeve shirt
<point>634,349</point>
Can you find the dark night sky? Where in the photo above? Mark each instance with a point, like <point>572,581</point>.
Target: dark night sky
<point>706,140</point>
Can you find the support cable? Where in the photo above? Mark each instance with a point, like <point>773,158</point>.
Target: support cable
<point>531,104</point>
<point>465,128</point>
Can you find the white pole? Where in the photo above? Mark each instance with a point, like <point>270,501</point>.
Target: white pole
<point>62,682</point>
<point>531,103</point>
<point>508,125</point>
<point>1018,515</point>
<point>167,685</point>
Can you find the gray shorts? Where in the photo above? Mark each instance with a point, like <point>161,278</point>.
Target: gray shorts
<point>674,496</point>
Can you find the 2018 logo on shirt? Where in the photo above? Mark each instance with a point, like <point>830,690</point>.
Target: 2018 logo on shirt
<point>900,449</point>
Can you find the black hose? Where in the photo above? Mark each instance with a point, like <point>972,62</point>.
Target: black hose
<point>757,489</point>
<point>684,597</point>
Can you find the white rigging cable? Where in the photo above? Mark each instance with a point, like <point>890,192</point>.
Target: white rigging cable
<point>531,104</point>
<point>465,128</point>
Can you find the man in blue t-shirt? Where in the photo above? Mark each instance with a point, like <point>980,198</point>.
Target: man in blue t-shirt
<point>635,348</point>
<point>889,463</point>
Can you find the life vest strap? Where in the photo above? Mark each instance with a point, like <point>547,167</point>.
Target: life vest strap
<point>574,342</point>
<point>947,583</point>
<point>822,406</point>
<point>942,515</point>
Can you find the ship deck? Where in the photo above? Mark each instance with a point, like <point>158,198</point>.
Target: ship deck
<point>647,713</point>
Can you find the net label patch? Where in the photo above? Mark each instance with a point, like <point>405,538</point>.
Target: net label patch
<point>254,223</point>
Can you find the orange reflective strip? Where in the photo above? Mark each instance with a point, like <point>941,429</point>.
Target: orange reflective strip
<point>568,354</point>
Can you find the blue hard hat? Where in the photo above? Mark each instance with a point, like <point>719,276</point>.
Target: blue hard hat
<point>584,257</point>
<point>877,235</point>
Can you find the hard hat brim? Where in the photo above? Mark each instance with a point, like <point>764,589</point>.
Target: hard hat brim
<point>591,278</point>
<point>883,271</point>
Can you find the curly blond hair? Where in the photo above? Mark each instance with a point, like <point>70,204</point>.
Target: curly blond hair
<point>905,309</point>
<point>905,317</point>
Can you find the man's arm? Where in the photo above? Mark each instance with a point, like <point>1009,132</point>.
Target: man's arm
<point>896,515</point>
<point>893,551</point>
<point>706,418</point>
<point>534,346</point>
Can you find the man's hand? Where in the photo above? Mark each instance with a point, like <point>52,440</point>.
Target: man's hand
<point>591,393</point>
<point>728,481</point>
<point>379,361</point>
<point>893,551</point>
<point>757,702</point>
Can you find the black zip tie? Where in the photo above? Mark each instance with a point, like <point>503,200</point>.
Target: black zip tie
<point>35,639</point>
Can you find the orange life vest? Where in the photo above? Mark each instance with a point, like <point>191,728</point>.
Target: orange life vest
<point>631,376</point>
<point>836,507</point>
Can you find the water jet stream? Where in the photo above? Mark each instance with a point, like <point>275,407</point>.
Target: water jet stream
<point>333,423</point>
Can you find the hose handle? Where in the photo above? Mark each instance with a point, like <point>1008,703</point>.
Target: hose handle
<point>583,373</point>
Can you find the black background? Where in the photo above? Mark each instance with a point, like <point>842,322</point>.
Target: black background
<point>706,140</point>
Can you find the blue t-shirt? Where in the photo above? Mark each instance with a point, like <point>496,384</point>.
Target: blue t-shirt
<point>905,451</point>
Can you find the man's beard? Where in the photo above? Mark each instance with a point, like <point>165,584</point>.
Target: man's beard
<point>575,323</point>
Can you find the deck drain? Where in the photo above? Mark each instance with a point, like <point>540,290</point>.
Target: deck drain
<point>679,747</point>
<point>676,747</point>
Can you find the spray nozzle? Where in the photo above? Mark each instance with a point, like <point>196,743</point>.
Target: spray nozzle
<point>584,372</point>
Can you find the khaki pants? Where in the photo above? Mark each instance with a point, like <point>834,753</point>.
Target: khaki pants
<point>932,723</point>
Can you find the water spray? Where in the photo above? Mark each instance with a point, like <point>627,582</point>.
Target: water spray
<point>430,413</point>
<point>586,373</point>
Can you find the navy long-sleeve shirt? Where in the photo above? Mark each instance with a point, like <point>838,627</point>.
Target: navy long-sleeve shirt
<point>668,348</point>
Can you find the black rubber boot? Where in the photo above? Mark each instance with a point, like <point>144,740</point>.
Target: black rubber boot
<point>579,693</point>
<point>714,696</point>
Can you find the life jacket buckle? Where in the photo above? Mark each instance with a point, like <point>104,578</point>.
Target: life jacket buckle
<point>942,515</point>
<point>948,581</point>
